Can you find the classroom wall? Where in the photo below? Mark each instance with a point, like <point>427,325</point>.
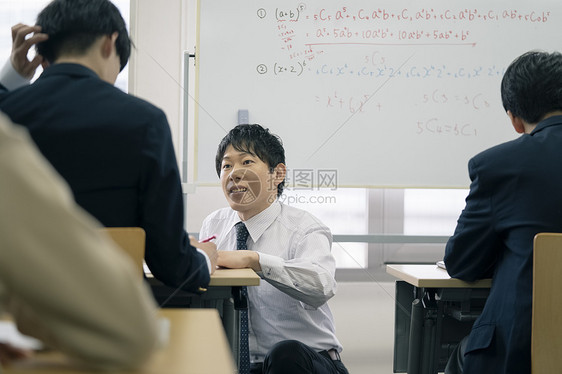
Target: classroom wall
<point>161,35</point>
<point>155,71</point>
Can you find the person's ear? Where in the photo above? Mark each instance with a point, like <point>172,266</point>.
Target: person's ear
<point>517,122</point>
<point>279,173</point>
<point>108,44</point>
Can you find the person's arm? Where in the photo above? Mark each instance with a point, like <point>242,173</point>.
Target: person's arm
<point>64,282</point>
<point>308,277</point>
<point>169,254</point>
<point>472,251</point>
<point>19,70</point>
<point>10,79</point>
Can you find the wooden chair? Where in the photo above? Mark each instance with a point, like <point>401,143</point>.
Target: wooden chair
<point>546,341</point>
<point>131,240</point>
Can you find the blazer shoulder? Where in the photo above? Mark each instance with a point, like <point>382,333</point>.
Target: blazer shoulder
<point>498,153</point>
<point>141,106</point>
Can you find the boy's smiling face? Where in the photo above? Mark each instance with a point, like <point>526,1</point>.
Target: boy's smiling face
<point>247,182</point>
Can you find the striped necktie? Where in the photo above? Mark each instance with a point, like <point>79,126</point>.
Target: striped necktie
<point>244,365</point>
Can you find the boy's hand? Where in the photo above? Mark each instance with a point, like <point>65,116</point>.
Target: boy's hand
<point>21,45</point>
<point>209,248</point>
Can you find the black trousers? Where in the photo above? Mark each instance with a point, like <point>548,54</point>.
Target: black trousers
<point>294,357</point>
<point>456,360</point>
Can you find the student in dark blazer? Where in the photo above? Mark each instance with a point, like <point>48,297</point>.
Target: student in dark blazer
<point>114,150</point>
<point>516,192</point>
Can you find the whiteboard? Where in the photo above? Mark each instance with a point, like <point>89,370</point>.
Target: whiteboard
<point>379,94</point>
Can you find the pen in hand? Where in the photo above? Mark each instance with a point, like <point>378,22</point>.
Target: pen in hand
<point>208,239</point>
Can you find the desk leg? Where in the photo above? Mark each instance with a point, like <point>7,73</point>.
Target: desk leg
<point>428,346</point>
<point>416,331</point>
<point>404,293</point>
<point>422,341</point>
<point>438,338</point>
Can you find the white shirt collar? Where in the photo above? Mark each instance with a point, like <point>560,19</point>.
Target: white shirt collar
<point>260,222</point>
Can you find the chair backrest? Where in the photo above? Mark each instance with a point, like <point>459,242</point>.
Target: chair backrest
<point>131,240</point>
<point>546,341</point>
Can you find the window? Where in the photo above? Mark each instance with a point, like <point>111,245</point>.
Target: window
<point>344,211</point>
<point>432,212</point>
<point>25,11</point>
<point>357,211</point>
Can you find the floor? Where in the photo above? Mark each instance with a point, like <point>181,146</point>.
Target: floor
<point>364,314</point>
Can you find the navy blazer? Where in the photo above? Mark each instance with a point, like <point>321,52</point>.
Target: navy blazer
<point>116,153</point>
<point>516,192</point>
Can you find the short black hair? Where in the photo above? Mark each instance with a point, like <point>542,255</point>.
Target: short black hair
<point>257,141</point>
<point>74,25</point>
<point>532,85</point>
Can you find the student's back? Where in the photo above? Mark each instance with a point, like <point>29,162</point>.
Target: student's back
<point>114,150</point>
<point>98,138</point>
<point>514,194</point>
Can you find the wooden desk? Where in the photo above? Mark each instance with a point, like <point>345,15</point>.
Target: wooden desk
<point>228,277</point>
<point>234,277</point>
<point>433,312</point>
<point>223,294</point>
<point>197,345</point>
<point>432,276</point>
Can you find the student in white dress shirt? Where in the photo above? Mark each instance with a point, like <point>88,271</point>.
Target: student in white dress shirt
<point>291,327</point>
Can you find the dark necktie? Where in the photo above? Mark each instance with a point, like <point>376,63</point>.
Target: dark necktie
<point>244,365</point>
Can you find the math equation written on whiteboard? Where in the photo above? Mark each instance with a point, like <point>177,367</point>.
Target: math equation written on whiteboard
<point>307,35</point>
<point>415,82</point>
<point>386,27</point>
